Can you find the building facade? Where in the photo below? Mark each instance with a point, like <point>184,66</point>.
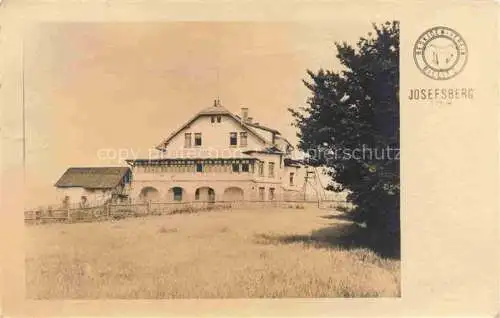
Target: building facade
<point>221,156</point>
<point>82,185</point>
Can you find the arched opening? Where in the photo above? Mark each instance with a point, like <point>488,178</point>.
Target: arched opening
<point>149,194</point>
<point>205,194</point>
<point>176,194</point>
<point>233,194</point>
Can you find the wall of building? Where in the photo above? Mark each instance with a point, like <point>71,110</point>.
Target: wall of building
<point>75,195</point>
<point>266,159</point>
<point>217,177</point>
<point>215,139</point>
<point>220,178</point>
<point>210,169</point>
<point>222,190</point>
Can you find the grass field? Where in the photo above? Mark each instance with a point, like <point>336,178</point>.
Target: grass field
<point>219,254</point>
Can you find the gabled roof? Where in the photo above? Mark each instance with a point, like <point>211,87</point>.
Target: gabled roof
<point>260,126</point>
<point>92,177</point>
<point>268,150</point>
<point>290,146</point>
<point>216,109</point>
<point>265,128</point>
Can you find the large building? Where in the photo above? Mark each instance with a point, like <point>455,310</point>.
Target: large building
<point>215,156</point>
<point>220,156</point>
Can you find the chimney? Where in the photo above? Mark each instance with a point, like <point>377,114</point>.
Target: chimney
<point>244,114</point>
<point>249,120</point>
<point>216,102</point>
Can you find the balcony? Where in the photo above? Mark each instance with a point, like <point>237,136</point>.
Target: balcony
<point>193,176</point>
<point>195,170</point>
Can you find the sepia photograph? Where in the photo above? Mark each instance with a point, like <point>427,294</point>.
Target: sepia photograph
<point>191,160</point>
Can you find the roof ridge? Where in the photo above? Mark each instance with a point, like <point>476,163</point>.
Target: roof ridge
<point>92,177</point>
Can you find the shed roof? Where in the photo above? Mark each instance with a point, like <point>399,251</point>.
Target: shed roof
<point>92,177</point>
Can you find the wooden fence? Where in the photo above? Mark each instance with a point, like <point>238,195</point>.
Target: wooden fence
<point>114,211</point>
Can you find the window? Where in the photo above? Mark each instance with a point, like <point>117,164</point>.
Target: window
<point>197,139</point>
<point>261,169</point>
<point>243,139</point>
<point>245,167</point>
<point>233,139</point>
<point>177,194</point>
<point>291,178</point>
<point>83,202</point>
<point>236,167</point>
<point>261,193</point>
<point>218,119</point>
<point>271,170</point>
<point>271,194</point>
<point>197,194</point>
<point>212,119</point>
<point>187,140</point>
<point>199,167</point>
<point>211,195</point>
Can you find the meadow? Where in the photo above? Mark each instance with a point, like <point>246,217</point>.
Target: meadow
<point>248,253</point>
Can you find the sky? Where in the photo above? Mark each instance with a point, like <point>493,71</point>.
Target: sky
<point>94,88</point>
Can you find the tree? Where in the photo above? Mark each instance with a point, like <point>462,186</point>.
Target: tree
<point>351,124</point>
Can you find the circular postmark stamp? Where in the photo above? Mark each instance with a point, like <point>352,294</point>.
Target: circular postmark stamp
<point>440,53</point>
